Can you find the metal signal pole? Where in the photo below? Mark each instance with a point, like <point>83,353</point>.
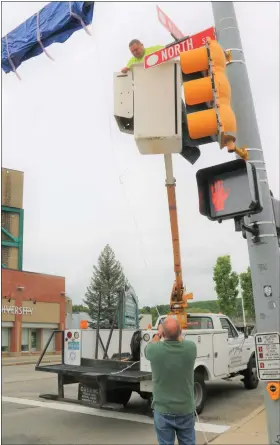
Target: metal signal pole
<point>263,253</point>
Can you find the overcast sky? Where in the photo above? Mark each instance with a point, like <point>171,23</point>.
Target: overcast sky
<point>58,127</point>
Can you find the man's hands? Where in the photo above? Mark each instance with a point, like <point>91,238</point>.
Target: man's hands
<point>157,337</point>
<point>125,70</point>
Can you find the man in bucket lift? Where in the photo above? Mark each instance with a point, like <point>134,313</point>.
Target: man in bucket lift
<point>190,152</point>
<point>138,51</point>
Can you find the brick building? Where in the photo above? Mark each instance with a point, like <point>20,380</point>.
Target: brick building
<point>33,305</point>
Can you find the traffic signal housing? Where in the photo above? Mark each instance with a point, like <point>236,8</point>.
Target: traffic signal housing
<point>229,190</point>
<point>207,92</point>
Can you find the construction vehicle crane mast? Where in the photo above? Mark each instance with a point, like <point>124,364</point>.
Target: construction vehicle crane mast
<point>178,298</point>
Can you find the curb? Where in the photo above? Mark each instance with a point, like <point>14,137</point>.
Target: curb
<point>242,422</point>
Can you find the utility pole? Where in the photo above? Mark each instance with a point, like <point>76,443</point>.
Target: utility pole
<point>264,253</point>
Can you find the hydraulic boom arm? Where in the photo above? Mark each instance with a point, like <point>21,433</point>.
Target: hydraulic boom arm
<point>178,298</point>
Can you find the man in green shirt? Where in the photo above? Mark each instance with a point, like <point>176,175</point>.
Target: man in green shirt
<point>139,52</point>
<point>172,363</point>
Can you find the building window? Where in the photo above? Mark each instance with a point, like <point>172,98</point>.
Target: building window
<point>46,336</point>
<point>5,340</point>
<point>25,340</point>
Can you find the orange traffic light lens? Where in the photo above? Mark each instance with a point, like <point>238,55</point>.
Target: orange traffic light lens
<point>198,91</point>
<point>194,61</point>
<point>197,60</point>
<point>202,124</point>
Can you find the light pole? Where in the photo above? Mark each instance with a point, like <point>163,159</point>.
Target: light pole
<point>264,254</point>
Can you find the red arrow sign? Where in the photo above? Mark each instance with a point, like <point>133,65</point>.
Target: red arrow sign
<point>169,25</point>
<point>173,51</point>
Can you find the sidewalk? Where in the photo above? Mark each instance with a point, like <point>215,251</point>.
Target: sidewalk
<point>29,360</point>
<point>250,431</point>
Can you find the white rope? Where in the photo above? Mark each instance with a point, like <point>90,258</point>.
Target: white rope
<point>202,430</point>
<point>10,60</point>
<point>121,180</point>
<point>72,14</point>
<point>39,37</point>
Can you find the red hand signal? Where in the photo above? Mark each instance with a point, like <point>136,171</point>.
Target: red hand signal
<point>219,195</point>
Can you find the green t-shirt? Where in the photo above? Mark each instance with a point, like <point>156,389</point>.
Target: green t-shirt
<point>172,364</point>
<point>148,51</point>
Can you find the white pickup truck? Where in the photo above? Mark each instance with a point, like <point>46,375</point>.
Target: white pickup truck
<point>222,352</point>
<point>110,365</point>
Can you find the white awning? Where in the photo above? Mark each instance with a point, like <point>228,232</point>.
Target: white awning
<point>7,324</point>
<point>40,325</point>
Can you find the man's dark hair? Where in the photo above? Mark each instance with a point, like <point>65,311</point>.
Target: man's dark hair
<point>132,42</point>
<point>171,335</point>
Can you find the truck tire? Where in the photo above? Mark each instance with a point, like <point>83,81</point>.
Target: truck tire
<point>119,395</point>
<point>199,392</point>
<point>145,395</point>
<point>250,379</point>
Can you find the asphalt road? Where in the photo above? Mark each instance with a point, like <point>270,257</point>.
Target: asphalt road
<point>27,419</point>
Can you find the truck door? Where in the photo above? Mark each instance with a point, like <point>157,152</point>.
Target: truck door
<point>235,344</point>
<point>220,355</point>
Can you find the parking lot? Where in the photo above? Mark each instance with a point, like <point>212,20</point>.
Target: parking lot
<point>29,419</point>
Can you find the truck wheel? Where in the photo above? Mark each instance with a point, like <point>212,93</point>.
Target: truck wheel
<point>251,380</point>
<point>119,395</point>
<point>145,395</point>
<point>199,392</point>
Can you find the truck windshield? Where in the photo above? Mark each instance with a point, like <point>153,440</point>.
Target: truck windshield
<point>200,323</point>
<point>195,322</point>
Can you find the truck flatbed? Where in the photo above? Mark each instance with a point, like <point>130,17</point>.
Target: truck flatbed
<point>98,371</point>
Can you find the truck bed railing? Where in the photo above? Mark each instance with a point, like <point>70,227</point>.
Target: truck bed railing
<point>56,331</point>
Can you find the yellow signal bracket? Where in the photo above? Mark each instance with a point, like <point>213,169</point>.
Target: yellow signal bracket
<point>228,56</point>
<point>273,389</point>
<point>242,152</point>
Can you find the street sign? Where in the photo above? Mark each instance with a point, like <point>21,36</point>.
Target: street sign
<point>173,51</point>
<point>267,346</point>
<point>169,25</point>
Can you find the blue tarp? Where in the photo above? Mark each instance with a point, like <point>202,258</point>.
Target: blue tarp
<point>56,25</point>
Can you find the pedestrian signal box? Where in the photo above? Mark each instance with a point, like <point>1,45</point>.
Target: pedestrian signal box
<point>229,190</point>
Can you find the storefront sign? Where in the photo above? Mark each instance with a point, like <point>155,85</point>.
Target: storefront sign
<point>17,310</point>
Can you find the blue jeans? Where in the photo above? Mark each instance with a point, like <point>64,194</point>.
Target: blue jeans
<point>167,425</point>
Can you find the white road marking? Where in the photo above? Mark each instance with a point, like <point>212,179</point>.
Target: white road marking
<point>61,406</point>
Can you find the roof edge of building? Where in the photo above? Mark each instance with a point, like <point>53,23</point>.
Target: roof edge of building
<point>30,272</point>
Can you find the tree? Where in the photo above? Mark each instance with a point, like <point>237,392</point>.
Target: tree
<point>76,308</point>
<point>226,285</point>
<point>108,280</point>
<point>247,293</point>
